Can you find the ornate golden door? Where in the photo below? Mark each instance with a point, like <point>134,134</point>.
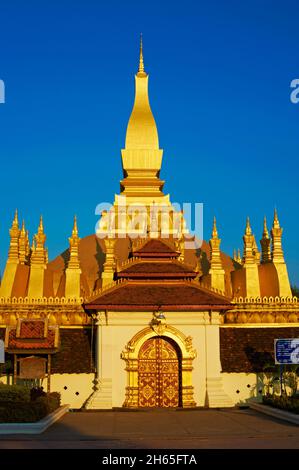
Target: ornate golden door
<point>158,374</point>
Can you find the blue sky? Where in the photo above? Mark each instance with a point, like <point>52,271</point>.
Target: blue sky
<point>220,76</point>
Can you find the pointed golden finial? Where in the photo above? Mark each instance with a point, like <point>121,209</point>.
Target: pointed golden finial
<point>22,244</point>
<point>248,228</point>
<point>239,259</point>
<point>248,240</point>
<point>38,255</point>
<point>265,231</point>
<point>265,244</point>
<point>15,222</point>
<point>216,271</point>
<point>141,72</point>
<point>23,231</point>
<point>235,255</point>
<point>214,231</point>
<point>141,64</point>
<point>215,241</point>
<point>75,227</point>
<point>13,253</point>
<point>276,223</point>
<point>276,234</point>
<point>74,245</point>
<point>41,225</point>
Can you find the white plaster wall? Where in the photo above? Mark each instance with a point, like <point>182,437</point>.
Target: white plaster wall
<point>247,385</point>
<point>81,383</point>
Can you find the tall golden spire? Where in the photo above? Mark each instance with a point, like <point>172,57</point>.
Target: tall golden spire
<point>142,131</point>
<point>265,230</point>
<point>248,239</point>
<point>39,255</point>
<point>216,269</point>
<point>215,247</point>
<point>250,265</point>
<point>22,244</point>
<point>214,231</point>
<point>276,234</point>
<point>74,246</point>
<point>73,271</point>
<point>38,263</point>
<point>265,244</point>
<point>13,254</point>
<point>41,226</point>
<point>276,223</point>
<point>277,256</point>
<point>248,228</point>
<point>12,259</point>
<point>141,72</point>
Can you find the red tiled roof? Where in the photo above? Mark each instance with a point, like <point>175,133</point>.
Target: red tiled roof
<point>28,344</point>
<point>156,247</point>
<point>32,329</point>
<point>157,269</point>
<point>178,295</point>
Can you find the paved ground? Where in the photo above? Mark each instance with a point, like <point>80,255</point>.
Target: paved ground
<point>162,429</point>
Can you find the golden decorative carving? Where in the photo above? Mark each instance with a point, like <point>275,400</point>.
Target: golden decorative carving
<point>131,355</point>
<point>158,374</point>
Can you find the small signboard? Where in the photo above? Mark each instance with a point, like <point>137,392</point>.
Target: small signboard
<point>32,368</point>
<point>2,355</point>
<point>286,351</point>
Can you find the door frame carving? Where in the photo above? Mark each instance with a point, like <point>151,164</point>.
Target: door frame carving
<point>131,353</point>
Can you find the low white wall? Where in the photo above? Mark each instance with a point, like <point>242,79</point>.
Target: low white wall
<point>74,383</point>
<point>240,387</point>
<point>78,388</point>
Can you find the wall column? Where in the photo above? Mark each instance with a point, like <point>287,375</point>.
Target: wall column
<point>215,395</point>
<point>102,395</point>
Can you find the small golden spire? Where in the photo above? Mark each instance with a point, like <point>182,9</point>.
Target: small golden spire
<point>75,228</point>
<point>13,253</point>
<point>22,244</point>
<point>141,64</point>
<point>248,228</point>
<point>276,221</point>
<point>38,255</point>
<point>276,234</point>
<point>15,222</point>
<point>248,240</point>
<point>74,247</point>
<point>214,232</point>
<point>265,244</point>
<point>239,259</point>
<point>235,255</point>
<point>265,231</point>
<point>215,259</point>
<point>141,72</point>
<point>41,225</point>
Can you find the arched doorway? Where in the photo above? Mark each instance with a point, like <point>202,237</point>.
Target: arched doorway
<point>185,354</point>
<point>159,373</point>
